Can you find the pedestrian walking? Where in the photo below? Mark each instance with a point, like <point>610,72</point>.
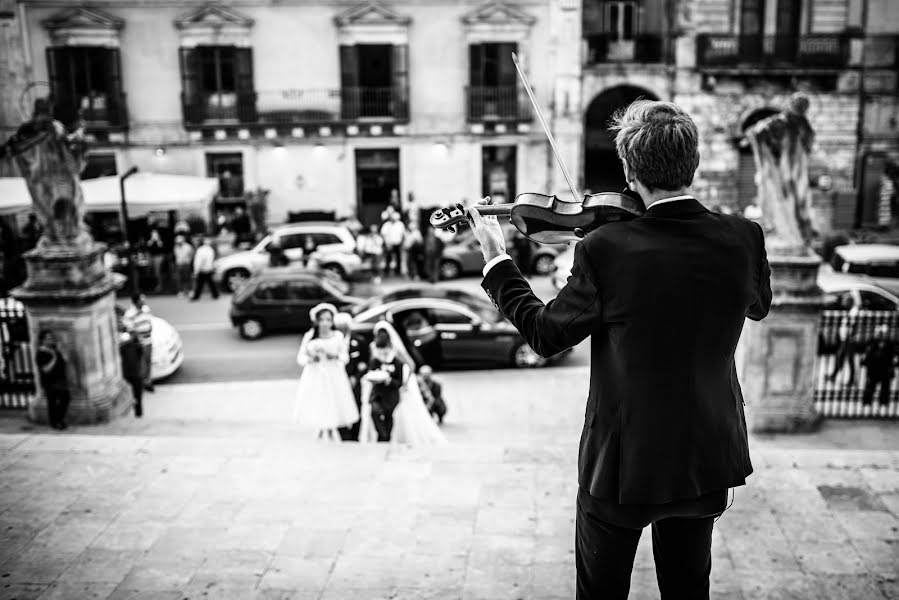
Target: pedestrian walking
<point>156,250</point>
<point>846,334</point>
<point>433,253</point>
<point>139,319</point>
<point>184,258</point>
<point>131,352</point>
<point>413,251</point>
<point>54,378</point>
<point>393,232</point>
<point>370,247</point>
<point>880,364</point>
<point>324,399</point>
<point>204,267</point>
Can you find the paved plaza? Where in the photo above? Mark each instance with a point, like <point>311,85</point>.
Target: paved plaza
<point>196,502</point>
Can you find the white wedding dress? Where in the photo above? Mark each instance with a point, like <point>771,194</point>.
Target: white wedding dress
<point>412,423</point>
<point>325,398</point>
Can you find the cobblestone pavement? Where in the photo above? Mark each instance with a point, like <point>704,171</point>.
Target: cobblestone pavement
<point>168,508</point>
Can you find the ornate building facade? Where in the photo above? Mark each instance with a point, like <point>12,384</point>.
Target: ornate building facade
<point>331,106</point>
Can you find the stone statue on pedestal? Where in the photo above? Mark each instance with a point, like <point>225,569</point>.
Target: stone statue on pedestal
<point>779,354</point>
<point>68,292</point>
<point>781,145</point>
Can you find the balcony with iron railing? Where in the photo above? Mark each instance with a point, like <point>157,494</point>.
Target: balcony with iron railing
<point>777,52</point>
<point>606,48</point>
<point>99,111</point>
<point>297,107</point>
<point>496,104</point>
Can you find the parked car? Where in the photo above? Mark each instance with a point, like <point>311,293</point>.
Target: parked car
<point>872,263</point>
<point>331,246</point>
<point>280,300</point>
<point>463,255</point>
<point>464,331</point>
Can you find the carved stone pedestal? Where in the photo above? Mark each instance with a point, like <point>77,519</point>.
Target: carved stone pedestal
<point>779,352</point>
<point>70,292</point>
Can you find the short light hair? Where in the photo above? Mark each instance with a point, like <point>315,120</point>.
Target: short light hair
<point>660,143</point>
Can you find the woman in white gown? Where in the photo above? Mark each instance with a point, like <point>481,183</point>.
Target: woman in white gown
<point>324,399</point>
<point>412,423</point>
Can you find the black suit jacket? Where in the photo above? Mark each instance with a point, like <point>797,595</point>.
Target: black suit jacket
<point>664,298</point>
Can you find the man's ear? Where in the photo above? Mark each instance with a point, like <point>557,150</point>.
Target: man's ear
<point>627,171</point>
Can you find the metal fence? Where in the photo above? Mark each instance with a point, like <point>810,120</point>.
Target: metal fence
<point>847,381</point>
<point>16,365</point>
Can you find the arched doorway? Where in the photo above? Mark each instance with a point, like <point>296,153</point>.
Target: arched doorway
<point>602,169</point>
<point>747,190</point>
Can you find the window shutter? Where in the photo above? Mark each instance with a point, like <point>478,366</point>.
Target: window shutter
<point>115,99</point>
<point>59,71</point>
<point>246,93</point>
<point>349,82</point>
<point>506,68</point>
<point>400,76</point>
<point>476,65</point>
<point>191,98</point>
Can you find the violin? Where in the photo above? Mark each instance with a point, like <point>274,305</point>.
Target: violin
<point>547,219</point>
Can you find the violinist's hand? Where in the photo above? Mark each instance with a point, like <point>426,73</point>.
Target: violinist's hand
<point>487,231</point>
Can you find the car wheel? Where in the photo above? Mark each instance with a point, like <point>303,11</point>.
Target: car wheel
<point>234,279</point>
<point>335,269</point>
<point>542,265</point>
<point>251,329</point>
<point>523,356</point>
<point>450,269</point>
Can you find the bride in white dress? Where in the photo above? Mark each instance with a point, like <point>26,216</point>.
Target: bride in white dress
<point>324,399</point>
<point>412,423</point>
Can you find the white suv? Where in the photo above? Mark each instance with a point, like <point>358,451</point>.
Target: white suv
<point>330,246</point>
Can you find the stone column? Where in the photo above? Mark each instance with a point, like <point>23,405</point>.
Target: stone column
<point>777,373</point>
<point>70,292</point>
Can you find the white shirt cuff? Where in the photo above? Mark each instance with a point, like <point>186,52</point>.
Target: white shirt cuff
<point>493,261</point>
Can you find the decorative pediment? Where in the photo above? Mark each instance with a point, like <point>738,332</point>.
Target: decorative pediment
<point>497,22</point>
<point>84,26</point>
<point>214,25</point>
<point>371,13</point>
<point>498,13</point>
<point>372,23</point>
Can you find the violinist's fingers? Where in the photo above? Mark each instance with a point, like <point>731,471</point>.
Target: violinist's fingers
<point>474,217</point>
<point>485,200</point>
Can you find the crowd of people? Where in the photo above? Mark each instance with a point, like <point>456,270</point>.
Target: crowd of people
<point>399,246</point>
<point>375,394</point>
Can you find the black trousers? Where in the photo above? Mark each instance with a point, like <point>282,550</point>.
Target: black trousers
<point>57,406</point>
<point>884,396</point>
<point>604,556</point>
<point>382,417</point>
<point>201,280</point>
<point>393,259</point>
<point>137,390</point>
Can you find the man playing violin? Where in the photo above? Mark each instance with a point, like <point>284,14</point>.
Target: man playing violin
<point>664,298</point>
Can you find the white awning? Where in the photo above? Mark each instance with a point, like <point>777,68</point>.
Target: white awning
<point>144,192</point>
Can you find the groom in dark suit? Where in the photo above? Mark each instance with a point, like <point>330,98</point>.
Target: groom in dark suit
<point>664,298</point>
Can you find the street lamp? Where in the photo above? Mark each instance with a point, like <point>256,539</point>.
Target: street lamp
<point>123,215</point>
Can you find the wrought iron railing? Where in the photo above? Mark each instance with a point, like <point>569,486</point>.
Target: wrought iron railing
<point>845,383</point>
<point>99,111</point>
<point>605,48</point>
<point>772,51</point>
<point>16,365</point>
<point>297,106</point>
<point>497,103</point>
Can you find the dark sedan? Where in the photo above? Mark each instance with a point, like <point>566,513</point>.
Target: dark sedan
<point>280,300</point>
<point>447,328</point>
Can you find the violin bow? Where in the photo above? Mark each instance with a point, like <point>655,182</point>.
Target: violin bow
<point>549,135</point>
